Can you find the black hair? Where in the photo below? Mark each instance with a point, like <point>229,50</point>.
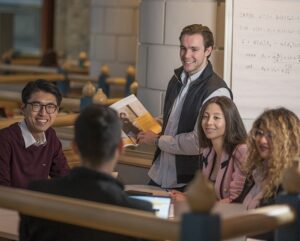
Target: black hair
<point>97,133</point>
<point>40,85</point>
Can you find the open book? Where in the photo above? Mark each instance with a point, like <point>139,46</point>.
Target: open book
<point>135,118</point>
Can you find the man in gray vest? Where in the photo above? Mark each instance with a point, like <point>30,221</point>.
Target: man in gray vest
<point>176,156</point>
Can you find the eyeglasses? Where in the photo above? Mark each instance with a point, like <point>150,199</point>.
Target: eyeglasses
<point>37,106</point>
<point>259,133</point>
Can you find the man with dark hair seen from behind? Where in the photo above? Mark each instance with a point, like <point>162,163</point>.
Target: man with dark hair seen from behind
<point>176,157</point>
<point>30,150</point>
<point>98,143</point>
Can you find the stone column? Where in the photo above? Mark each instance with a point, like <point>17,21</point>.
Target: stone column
<point>72,31</point>
<point>113,37</point>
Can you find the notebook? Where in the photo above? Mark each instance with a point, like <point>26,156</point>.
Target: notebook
<point>161,204</point>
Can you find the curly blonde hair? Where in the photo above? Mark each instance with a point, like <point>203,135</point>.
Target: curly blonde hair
<point>284,127</point>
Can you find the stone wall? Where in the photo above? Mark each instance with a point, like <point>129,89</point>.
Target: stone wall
<point>72,27</point>
<point>113,37</point>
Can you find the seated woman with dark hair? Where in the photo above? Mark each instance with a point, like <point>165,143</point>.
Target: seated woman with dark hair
<point>222,138</point>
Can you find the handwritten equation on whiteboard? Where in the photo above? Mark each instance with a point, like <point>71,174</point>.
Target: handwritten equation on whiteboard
<point>267,43</point>
<point>266,55</point>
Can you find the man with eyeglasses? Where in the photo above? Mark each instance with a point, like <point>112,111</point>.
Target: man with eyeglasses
<point>97,140</point>
<point>30,149</point>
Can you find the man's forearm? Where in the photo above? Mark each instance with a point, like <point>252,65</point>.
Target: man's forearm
<point>182,144</point>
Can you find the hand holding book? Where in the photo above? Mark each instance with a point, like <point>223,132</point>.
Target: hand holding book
<point>136,121</point>
<point>148,137</point>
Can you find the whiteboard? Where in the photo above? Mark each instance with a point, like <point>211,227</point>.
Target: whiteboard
<point>264,60</point>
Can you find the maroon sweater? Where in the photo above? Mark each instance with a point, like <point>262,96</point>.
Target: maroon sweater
<point>20,165</point>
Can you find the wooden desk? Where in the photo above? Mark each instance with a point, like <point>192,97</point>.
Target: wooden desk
<point>13,79</point>
<point>133,166</point>
<point>9,220</point>
<point>9,224</point>
<point>74,69</point>
<point>177,209</point>
<point>27,61</point>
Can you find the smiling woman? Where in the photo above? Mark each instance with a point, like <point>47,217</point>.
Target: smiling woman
<point>273,146</point>
<point>223,152</point>
<point>222,138</point>
<point>213,122</point>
